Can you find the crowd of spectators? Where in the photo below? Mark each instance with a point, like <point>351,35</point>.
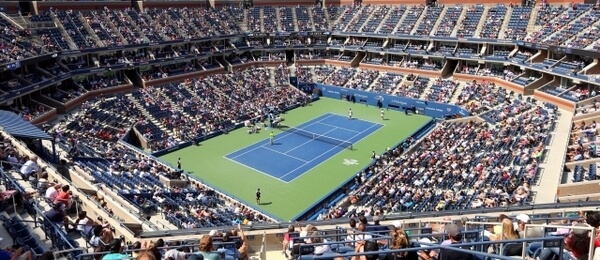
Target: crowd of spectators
<point>478,97</point>
<point>457,166</point>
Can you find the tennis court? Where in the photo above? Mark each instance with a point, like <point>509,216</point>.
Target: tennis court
<point>208,161</point>
<point>299,149</point>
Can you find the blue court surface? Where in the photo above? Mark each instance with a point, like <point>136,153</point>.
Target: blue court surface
<point>292,153</point>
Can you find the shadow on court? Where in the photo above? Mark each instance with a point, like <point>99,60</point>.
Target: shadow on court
<point>265,203</point>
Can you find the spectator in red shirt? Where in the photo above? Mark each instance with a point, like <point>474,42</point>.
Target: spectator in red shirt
<point>64,197</point>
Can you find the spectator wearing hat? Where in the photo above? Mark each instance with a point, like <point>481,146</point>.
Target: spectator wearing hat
<point>456,237</point>
<point>115,251</point>
<point>522,220</point>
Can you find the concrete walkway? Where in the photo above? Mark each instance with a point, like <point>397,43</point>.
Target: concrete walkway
<point>552,168</point>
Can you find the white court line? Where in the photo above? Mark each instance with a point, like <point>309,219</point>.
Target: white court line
<point>329,156</point>
<point>356,118</point>
<point>262,145</point>
<point>254,169</point>
<point>293,157</point>
<point>313,139</point>
<point>343,128</point>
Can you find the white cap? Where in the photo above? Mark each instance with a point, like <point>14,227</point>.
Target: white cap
<point>397,224</point>
<point>212,233</point>
<point>523,218</point>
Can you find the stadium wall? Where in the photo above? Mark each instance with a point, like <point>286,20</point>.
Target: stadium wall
<point>428,108</point>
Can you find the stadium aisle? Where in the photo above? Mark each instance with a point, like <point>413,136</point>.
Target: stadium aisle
<point>547,186</point>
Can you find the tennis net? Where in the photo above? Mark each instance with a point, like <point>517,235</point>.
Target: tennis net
<point>320,137</point>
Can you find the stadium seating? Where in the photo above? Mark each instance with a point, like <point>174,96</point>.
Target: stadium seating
<point>166,115</point>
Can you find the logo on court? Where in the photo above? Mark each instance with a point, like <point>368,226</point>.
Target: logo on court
<point>350,162</point>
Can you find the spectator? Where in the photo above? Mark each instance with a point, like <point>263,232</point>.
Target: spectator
<point>177,252</point>
<point>287,239</point>
<point>400,241</point>
<point>15,252</point>
<point>577,246</point>
<point>56,214</point>
<point>115,251</point>
<point>48,255</point>
<point>85,224</point>
<point>30,167</point>
<point>64,198</point>
<point>456,237</point>
<point>206,249</point>
<point>364,247</point>
<point>509,233</point>
<point>52,192</point>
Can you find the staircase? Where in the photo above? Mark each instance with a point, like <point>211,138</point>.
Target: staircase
<point>262,22</point>
<point>504,26</point>
<point>13,20</point>
<point>272,77</point>
<point>295,21</point>
<point>359,12</point>
<point>570,22</point>
<point>371,16</point>
<point>384,19</point>
<point>116,31</point>
<point>419,20</point>
<point>328,17</point>
<point>63,32</point>
<point>401,21</point>
<point>532,18</point>
<point>153,24</point>
<point>278,19</point>
<point>311,18</point>
<point>438,22</point>
<point>461,19</point>
<point>89,29</point>
<point>427,89</point>
<point>584,30</point>
<point>402,82</point>
<point>559,17</point>
<point>482,21</point>
<point>133,25</point>
<point>376,80</point>
<point>457,92</point>
<point>178,29</point>
<point>147,115</point>
<point>244,23</point>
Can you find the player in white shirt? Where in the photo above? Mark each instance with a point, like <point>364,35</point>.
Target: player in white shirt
<point>350,113</point>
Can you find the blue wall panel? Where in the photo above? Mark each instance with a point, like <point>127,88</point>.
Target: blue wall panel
<point>428,108</point>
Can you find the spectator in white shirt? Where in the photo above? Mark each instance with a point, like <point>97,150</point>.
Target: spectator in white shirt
<point>85,224</point>
<point>52,192</point>
<point>177,252</point>
<point>361,235</point>
<point>30,167</point>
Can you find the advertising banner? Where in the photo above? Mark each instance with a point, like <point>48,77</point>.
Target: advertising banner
<point>428,108</point>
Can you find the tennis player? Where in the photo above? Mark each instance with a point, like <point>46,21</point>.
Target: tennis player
<point>258,196</point>
<point>272,137</point>
<point>350,113</point>
<point>382,113</point>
